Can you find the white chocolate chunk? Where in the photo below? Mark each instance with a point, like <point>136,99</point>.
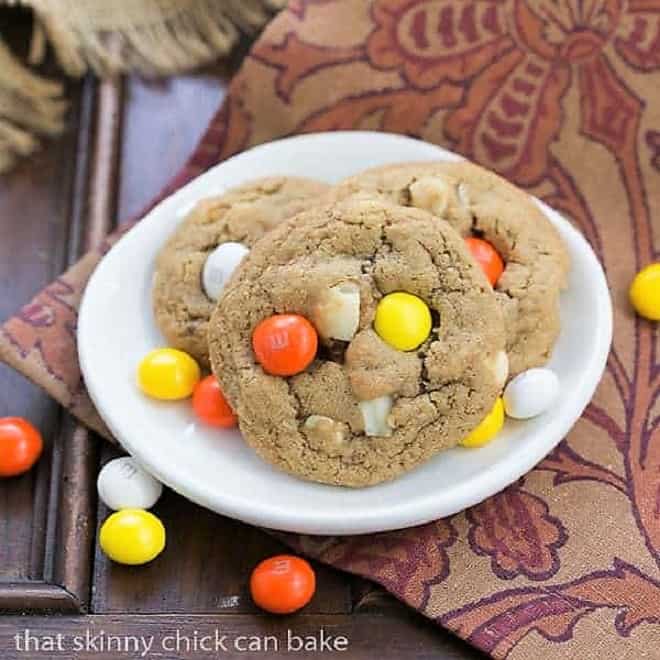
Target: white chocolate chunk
<point>375,414</point>
<point>500,367</point>
<point>531,393</point>
<point>430,193</point>
<point>463,196</point>
<point>336,313</point>
<point>220,265</point>
<point>326,434</point>
<point>123,484</point>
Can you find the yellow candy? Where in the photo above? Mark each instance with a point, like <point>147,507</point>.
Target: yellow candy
<point>132,536</point>
<point>645,292</point>
<point>166,373</point>
<point>489,427</point>
<point>403,320</point>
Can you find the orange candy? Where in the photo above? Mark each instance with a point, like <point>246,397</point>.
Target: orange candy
<point>285,344</point>
<point>20,446</point>
<point>282,584</point>
<point>487,257</point>
<point>210,404</point>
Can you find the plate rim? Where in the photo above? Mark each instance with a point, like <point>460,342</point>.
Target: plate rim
<point>426,508</point>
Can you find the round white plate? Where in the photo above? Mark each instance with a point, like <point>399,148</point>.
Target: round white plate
<point>216,468</point>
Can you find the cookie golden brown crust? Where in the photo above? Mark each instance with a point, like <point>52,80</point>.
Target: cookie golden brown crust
<point>311,424</point>
<point>242,214</point>
<point>478,202</point>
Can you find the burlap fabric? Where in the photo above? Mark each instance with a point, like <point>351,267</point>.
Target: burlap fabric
<point>151,37</point>
<point>563,98</point>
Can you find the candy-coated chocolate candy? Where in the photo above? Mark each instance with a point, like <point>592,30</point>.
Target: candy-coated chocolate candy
<point>210,404</point>
<point>132,536</point>
<point>123,484</point>
<point>285,344</point>
<point>282,584</point>
<point>403,320</point>
<point>20,446</point>
<point>645,292</point>
<point>530,393</point>
<point>487,257</point>
<point>488,428</point>
<point>220,265</point>
<point>167,373</point>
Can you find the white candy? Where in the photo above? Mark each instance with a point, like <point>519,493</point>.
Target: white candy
<point>219,266</point>
<point>375,414</point>
<point>531,393</point>
<point>123,484</point>
<point>336,314</point>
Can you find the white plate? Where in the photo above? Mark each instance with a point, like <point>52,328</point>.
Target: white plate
<point>215,468</point>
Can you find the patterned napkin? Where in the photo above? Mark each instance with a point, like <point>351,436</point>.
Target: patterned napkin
<point>562,97</point>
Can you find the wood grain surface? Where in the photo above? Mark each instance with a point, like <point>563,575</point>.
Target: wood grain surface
<point>124,140</point>
<point>388,636</point>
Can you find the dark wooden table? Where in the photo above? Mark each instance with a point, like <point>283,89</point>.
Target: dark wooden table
<point>124,141</point>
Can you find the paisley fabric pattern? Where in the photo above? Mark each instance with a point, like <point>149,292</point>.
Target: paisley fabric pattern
<point>560,96</point>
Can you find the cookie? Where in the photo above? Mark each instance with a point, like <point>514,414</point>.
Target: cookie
<point>480,203</point>
<point>363,411</point>
<point>240,216</point>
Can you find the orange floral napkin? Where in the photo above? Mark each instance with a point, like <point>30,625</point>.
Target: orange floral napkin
<point>562,97</point>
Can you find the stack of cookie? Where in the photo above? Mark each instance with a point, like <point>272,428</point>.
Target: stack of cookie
<point>359,330</point>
